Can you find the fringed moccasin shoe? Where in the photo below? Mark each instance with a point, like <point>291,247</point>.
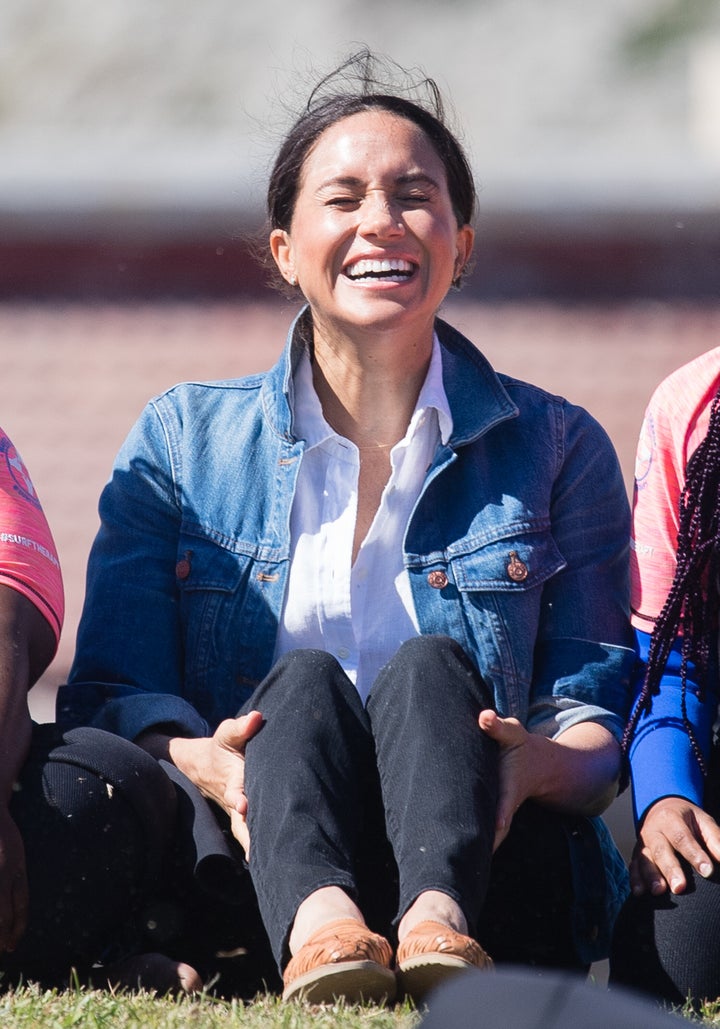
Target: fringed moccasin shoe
<point>344,960</point>
<point>432,953</point>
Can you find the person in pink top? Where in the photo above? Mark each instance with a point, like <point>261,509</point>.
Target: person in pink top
<point>31,615</point>
<point>28,558</point>
<point>67,809</point>
<point>667,938</point>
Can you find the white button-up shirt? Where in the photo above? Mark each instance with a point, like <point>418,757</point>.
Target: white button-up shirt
<point>359,612</point>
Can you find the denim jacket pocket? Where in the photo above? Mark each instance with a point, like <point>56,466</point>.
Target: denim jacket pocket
<point>216,615</point>
<point>514,563</point>
<point>500,589</point>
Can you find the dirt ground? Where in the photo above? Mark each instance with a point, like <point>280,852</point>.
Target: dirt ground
<point>75,378</point>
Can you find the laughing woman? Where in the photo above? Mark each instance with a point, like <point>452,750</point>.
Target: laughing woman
<point>372,605</point>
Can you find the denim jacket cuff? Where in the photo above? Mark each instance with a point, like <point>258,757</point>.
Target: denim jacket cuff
<point>126,711</point>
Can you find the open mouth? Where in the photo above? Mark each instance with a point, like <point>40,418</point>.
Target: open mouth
<point>384,270</point>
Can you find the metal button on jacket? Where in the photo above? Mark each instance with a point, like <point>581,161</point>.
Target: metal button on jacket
<point>438,580</point>
<point>517,570</point>
<point>182,568</point>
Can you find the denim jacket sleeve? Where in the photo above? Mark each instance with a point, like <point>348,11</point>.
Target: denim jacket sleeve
<point>127,674</point>
<point>526,517</point>
<point>584,654</point>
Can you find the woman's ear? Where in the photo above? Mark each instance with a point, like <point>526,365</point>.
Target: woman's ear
<point>465,243</point>
<point>281,249</point>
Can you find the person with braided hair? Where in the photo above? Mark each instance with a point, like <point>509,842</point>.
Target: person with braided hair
<point>667,939</point>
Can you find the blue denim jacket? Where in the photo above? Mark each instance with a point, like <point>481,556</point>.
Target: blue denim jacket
<point>517,548</point>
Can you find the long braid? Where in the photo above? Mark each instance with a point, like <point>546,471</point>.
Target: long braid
<point>691,608</point>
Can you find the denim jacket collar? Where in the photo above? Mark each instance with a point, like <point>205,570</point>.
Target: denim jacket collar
<point>478,400</point>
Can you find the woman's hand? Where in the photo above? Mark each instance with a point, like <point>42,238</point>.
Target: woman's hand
<point>516,772</point>
<point>215,764</point>
<point>673,828</point>
<point>13,884</point>
<point>577,772</point>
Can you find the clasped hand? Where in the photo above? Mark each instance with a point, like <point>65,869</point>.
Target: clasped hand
<point>516,775</point>
<point>672,829</point>
<point>576,772</point>
<point>216,765</point>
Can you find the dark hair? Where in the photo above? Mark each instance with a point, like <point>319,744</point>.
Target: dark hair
<point>692,605</point>
<point>361,83</point>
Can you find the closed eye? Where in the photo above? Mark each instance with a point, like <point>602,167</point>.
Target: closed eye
<point>414,198</point>
<point>342,201</point>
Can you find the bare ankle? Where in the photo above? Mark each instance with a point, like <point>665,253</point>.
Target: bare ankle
<point>434,906</point>
<point>327,904</point>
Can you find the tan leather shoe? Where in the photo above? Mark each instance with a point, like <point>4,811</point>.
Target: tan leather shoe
<point>342,960</point>
<point>431,953</point>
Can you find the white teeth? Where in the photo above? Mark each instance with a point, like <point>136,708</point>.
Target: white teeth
<point>384,266</point>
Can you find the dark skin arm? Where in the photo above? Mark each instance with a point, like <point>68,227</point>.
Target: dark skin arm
<point>27,645</point>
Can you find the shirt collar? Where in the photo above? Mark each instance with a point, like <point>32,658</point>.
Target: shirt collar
<point>308,419</point>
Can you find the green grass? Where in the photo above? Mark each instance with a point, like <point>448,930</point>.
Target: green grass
<point>30,1007</point>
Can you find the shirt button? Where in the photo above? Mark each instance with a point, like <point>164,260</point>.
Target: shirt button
<point>438,580</point>
<point>517,570</point>
<point>343,653</point>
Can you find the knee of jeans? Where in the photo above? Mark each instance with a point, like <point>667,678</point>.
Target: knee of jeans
<point>427,653</point>
<point>310,677</point>
<point>429,659</point>
<point>308,661</point>
<point>422,648</point>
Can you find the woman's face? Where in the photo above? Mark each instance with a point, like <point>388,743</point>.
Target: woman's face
<point>374,242</point>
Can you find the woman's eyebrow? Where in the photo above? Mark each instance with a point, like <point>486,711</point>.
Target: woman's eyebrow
<point>416,177</point>
<point>353,181</point>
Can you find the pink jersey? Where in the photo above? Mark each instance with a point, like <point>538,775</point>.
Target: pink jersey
<point>676,422</point>
<point>28,559</point>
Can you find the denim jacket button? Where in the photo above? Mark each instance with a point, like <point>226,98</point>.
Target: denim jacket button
<point>438,580</point>
<point>182,568</point>
<point>517,570</point>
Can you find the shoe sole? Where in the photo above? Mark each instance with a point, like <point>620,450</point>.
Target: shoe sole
<point>356,982</point>
<point>417,976</point>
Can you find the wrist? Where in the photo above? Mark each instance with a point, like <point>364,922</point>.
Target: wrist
<point>154,743</point>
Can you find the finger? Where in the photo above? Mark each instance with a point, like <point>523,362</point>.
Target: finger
<point>241,833</point>
<point>684,838</point>
<point>501,831</point>
<point>249,724</point>
<point>696,856</point>
<point>507,732</point>
<point>709,834</point>
<point>234,733</point>
<point>660,852</point>
<point>234,799</point>
<point>645,875</point>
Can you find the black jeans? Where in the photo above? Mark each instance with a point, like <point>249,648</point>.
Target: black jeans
<point>95,814</point>
<point>331,783</point>
<point>124,856</point>
<point>669,946</point>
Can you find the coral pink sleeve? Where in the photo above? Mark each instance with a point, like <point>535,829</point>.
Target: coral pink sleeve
<point>675,423</point>
<point>28,558</point>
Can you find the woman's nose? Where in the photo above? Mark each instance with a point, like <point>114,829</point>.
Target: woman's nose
<point>380,217</point>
